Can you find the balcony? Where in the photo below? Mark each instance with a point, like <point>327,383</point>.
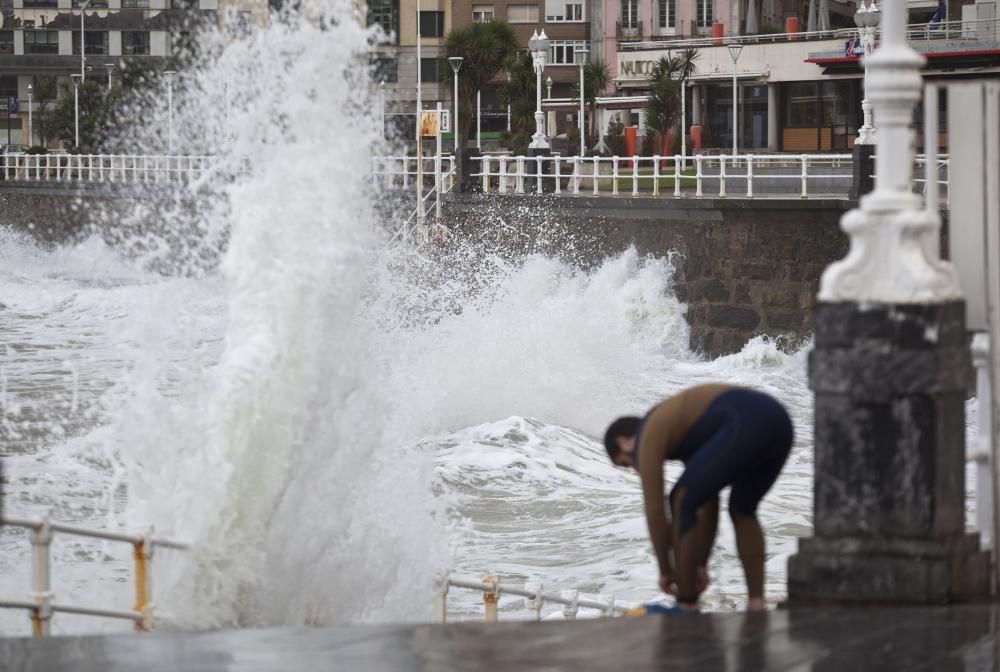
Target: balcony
<point>629,31</point>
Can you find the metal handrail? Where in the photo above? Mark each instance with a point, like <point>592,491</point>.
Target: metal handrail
<point>43,606</point>
<point>112,168</point>
<point>492,587</point>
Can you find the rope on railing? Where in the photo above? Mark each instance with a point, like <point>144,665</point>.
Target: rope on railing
<point>43,606</point>
<point>491,587</point>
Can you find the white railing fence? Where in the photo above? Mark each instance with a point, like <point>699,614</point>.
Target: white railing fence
<point>492,588</point>
<point>43,606</point>
<point>392,172</point>
<point>122,168</point>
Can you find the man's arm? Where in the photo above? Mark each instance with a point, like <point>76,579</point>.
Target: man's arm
<point>652,452</point>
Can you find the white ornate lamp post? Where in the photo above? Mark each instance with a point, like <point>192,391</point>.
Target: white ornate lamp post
<point>77,78</point>
<point>867,20</point>
<point>456,65</point>
<point>539,47</point>
<point>734,53</point>
<point>890,372</point>
<point>581,54</point>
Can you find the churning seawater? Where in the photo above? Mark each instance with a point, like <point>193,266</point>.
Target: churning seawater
<point>334,420</point>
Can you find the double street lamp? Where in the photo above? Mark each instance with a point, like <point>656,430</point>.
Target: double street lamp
<point>867,20</point>
<point>581,54</point>
<point>734,52</point>
<point>538,45</point>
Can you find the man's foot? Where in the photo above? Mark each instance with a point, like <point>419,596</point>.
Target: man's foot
<point>756,604</point>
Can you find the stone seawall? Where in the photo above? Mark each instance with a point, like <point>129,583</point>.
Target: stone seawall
<point>743,267</point>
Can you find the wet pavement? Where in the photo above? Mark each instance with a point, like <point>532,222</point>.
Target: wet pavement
<point>841,640</point>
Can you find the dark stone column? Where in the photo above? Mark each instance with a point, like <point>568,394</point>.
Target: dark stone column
<point>531,169</point>
<point>889,496</point>
<point>864,171</point>
<point>470,165</point>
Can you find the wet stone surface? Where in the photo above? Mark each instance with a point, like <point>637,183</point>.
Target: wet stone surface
<point>926,638</point>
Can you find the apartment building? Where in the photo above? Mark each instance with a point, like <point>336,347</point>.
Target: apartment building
<point>45,37</point>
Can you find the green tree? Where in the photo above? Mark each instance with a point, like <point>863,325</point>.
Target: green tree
<point>596,78</point>
<point>95,106</point>
<point>519,92</point>
<point>663,109</point>
<point>484,48</point>
<point>46,91</point>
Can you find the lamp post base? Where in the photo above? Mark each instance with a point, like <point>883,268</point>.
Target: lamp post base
<point>536,168</point>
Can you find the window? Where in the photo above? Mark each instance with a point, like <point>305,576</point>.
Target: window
<point>522,13</point>
<point>95,42</point>
<point>557,11</point>
<point>8,86</point>
<point>666,15</point>
<point>383,69</point>
<point>704,13</point>
<point>385,13</point>
<point>428,69</point>
<point>135,42</point>
<point>482,13</point>
<point>562,52</point>
<point>34,4</point>
<point>41,41</point>
<point>801,105</point>
<point>6,41</point>
<point>431,24</point>
<point>135,4</point>
<point>630,13</point>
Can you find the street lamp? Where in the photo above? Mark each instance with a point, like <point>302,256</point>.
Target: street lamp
<point>110,67</point>
<point>30,140</point>
<point>456,65</point>
<point>867,20</point>
<point>170,110</point>
<point>581,54</point>
<point>548,87</point>
<point>76,107</point>
<point>83,43</point>
<point>539,47</point>
<point>734,52</point>
<point>381,94</point>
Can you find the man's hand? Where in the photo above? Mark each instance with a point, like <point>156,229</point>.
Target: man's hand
<point>668,584</point>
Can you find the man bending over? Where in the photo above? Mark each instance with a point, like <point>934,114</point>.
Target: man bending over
<point>725,436</point>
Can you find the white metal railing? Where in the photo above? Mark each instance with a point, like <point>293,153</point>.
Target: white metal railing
<point>447,183</point>
<point>43,606</point>
<point>134,168</point>
<point>392,172</point>
<point>725,175</point>
<point>491,587</point>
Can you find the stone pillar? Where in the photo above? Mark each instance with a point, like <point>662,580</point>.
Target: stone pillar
<point>890,371</point>
<point>772,118</point>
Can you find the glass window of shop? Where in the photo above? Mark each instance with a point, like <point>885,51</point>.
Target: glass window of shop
<point>135,42</point>
<point>7,42</point>
<point>820,116</point>
<point>95,41</point>
<point>41,42</point>
<point>751,120</point>
<point>10,128</point>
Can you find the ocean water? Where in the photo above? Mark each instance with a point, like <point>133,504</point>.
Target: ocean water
<point>337,421</point>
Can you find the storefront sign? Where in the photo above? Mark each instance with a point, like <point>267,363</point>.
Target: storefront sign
<point>636,68</point>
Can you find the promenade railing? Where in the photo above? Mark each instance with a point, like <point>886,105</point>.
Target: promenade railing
<point>535,598</point>
<point>114,168</point>
<point>43,605</point>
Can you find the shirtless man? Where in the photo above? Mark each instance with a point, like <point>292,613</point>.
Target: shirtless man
<point>726,436</point>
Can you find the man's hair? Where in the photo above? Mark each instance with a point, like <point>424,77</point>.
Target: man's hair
<point>626,426</point>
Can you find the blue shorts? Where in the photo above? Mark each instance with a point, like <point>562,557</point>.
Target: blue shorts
<point>741,440</point>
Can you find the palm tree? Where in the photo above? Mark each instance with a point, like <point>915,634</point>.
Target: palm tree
<point>596,78</point>
<point>484,49</point>
<point>519,92</point>
<point>664,106</point>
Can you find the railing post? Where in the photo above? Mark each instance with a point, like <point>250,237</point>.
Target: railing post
<point>635,175</point>
<point>41,546</point>
<point>142,553</point>
<point>983,449</point>
<point>678,166</point>
<point>451,168</point>
<point>486,174</point>
<point>440,609</point>
<point>539,160</point>
<point>503,174</point>
<point>609,602</point>
<point>534,603</point>
<point>656,175</point>
<point>614,175</point>
<point>697,175</point>
<point>490,598</point>
<point>749,175</point>
<point>570,610</point>
<point>519,180</point>
<point>722,176</point>
<point>576,174</point>
<point>558,175</point>
<point>597,170</point>
<point>805,175</point>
